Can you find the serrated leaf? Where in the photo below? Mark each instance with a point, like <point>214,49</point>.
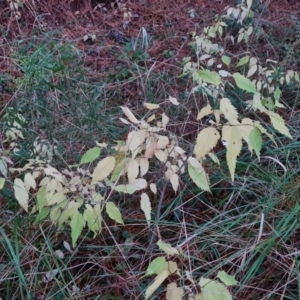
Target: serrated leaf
<point>56,198</point>
<point>156,266</point>
<point>103,169</point>
<point>167,248</point>
<point>263,130</point>
<point>129,114</point>
<point>205,111</point>
<point>228,280</point>
<point>21,193</point>
<point>146,207</point>
<point>245,129</point>
<point>90,156</point>
<point>114,212</point>
<point>2,182</point>
<point>278,124</point>
<point>43,214</point>
<point>233,140</point>
<point>93,217</point>
<point>226,60</point>
<point>244,60</point>
<point>207,139</point>
<point>244,83</point>
<point>151,106</point>
<point>213,290</point>
<point>209,77</point>
<point>199,177</point>
<point>76,224</point>
<point>256,141</point>
<point>229,111</point>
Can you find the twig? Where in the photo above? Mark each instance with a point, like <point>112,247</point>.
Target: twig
<point>158,213</point>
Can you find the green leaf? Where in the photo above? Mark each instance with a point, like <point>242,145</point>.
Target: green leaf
<point>256,141</point>
<point>199,177</point>
<point>2,181</point>
<point>227,279</point>
<point>21,193</point>
<point>213,290</point>
<point>244,83</point>
<point>226,60</point>
<point>76,224</point>
<point>125,188</point>
<point>41,197</point>
<point>167,248</point>
<point>90,156</point>
<point>42,215</point>
<point>114,212</point>
<point>244,60</point>
<point>93,217</point>
<point>278,124</point>
<point>209,77</point>
<point>156,266</point>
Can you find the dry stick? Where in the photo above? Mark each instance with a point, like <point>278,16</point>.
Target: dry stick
<point>158,212</point>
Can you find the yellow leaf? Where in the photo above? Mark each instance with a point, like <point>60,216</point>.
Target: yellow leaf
<point>129,114</point>
<point>146,207</point>
<point>144,166</point>
<point>161,155</point>
<point>245,128</point>
<point>162,141</point>
<point>21,193</point>
<point>150,147</point>
<point>133,170</point>
<point>135,139</point>
<point>103,169</point>
<point>175,182</point>
<point>151,105</point>
<point>229,111</point>
<point>153,188</point>
<point>205,111</point>
<point>233,140</point>
<point>170,268</point>
<point>173,100</point>
<point>207,139</point>
<point>165,120</point>
<point>174,292</point>
<point>29,181</point>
